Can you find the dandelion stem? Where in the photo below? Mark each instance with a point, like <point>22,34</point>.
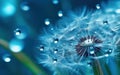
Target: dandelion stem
<point>97,68</point>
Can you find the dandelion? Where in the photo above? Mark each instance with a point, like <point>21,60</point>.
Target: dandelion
<point>76,41</point>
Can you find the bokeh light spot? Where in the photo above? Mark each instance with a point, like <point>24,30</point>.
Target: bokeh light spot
<point>117,11</point>
<point>8,10</point>
<point>16,45</point>
<point>55,1</point>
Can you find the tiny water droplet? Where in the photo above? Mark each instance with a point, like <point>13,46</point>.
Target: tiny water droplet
<point>89,64</point>
<point>109,51</point>
<point>60,13</point>
<point>55,51</point>
<point>92,52</point>
<point>54,60</point>
<point>24,6</point>
<point>106,55</point>
<point>41,48</point>
<point>56,40</point>
<point>47,21</point>
<point>97,6</point>
<point>105,22</point>
<point>17,31</point>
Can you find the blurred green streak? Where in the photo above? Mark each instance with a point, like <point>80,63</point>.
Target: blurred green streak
<point>24,60</point>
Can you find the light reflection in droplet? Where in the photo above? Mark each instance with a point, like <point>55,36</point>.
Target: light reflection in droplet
<point>54,61</point>
<point>41,48</point>
<point>6,58</point>
<point>60,13</point>
<point>91,52</point>
<point>20,33</point>
<point>56,40</point>
<point>17,31</point>
<point>47,21</point>
<point>55,51</point>
<point>98,6</point>
<point>24,6</point>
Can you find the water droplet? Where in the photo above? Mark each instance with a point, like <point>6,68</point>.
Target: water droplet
<point>24,6</point>
<point>20,33</point>
<point>89,64</point>
<point>41,48</point>
<point>109,51</point>
<point>6,58</point>
<point>8,9</point>
<point>17,31</point>
<point>54,60</point>
<point>60,13</point>
<point>56,40</point>
<point>105,22</point>
<point>47,21</point>
<point>106,55</point>
<point>92,52</point>
<point>98,6</point>
<point>55,51</point>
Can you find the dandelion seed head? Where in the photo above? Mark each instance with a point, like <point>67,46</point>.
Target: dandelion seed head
<point>80,38</point>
